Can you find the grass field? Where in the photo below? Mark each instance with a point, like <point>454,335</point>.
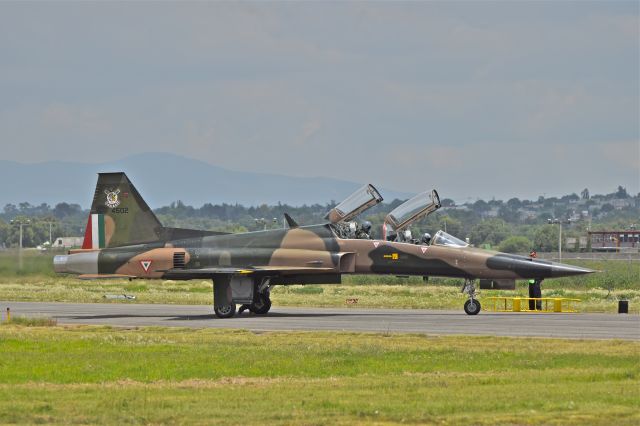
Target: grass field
<point>598,292</point>
<point>94,375</point>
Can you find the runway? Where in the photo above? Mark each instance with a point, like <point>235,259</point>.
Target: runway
<point>583,326</point>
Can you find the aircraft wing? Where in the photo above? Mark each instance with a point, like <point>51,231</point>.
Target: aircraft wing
<point>104,276</point>
<point>208,272</point>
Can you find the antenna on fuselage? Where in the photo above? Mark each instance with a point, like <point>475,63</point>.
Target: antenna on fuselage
<point>292,223</point>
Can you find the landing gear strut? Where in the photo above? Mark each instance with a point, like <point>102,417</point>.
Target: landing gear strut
<point>261,304</point>
<point>261,301</point>
<point>471,306</point>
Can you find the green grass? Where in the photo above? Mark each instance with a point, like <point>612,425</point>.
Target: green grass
<point>598,292</point>
<point>152,375</point>
<point>32,321</point>
<point>33,263</point>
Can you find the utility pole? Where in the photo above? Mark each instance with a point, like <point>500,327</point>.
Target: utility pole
<point>51,222</point>
<point>559,223</point>
<point>560,244</point>
<point>20,223</point>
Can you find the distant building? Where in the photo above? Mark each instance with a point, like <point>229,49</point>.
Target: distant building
<point>621,203</point>
<point>614,240</point>
<point>67,242</point>
<point>491,213</point>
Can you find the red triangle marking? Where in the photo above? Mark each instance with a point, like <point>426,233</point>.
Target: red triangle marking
<point>424,249</point>
<point>146,264</point>
<point>376,244</point>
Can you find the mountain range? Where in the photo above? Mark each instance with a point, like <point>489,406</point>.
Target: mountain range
<point>162,178</point>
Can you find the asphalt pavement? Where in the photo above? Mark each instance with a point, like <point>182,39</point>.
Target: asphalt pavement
<point>565,325</point>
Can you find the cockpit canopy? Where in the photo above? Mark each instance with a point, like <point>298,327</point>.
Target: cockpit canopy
<point>413,209</point>
<point>443,239</point>
<point>354,204</point>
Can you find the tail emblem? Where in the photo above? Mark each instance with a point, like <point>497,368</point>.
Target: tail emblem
<point>112,198</point>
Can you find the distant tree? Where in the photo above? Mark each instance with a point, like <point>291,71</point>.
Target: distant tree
<point>514,203</point>
<point>24,207</point>
<point>480,206</point>
<point>490,231</point>
<point>621,192</point>
<point>561,211</point>
<point>453,226</point>
<point>11,210</point>
<point>515,244</point>
<point>585,194</point>
<point>447,202</point>
<point>508,214</point>
<point>570,198</point>
<point>550,202</point>
<point>4,233</point>
<point>546,238</point>
<point>606,208</point>
<point>62,210</point>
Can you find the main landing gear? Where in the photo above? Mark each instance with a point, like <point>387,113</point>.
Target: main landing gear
<point>229,291</point>
<point>471,306</point>
<point>225,311</point>
<point>260,305</point>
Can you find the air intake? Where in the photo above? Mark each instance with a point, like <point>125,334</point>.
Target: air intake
<point>178,260</point>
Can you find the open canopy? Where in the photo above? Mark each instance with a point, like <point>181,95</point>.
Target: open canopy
<point>413,209</point>
<point>364,198</point>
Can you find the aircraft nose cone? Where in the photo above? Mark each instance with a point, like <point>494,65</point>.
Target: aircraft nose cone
<point>564,270</point>
<point>525,267</point>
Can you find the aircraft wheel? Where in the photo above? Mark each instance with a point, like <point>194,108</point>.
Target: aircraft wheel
<point>225,311</point>
<point>262,305</point>
<point>472,307</point>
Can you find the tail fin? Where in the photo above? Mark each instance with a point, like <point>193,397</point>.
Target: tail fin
<point>119,216</point>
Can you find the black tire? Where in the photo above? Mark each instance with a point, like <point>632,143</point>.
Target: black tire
<point>262,305</point>
<point>472,307</point>
<point>225,311</point>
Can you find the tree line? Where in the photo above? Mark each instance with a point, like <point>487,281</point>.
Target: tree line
<point>505,230</point>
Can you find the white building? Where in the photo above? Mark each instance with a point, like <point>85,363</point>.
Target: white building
<point>67,242</point>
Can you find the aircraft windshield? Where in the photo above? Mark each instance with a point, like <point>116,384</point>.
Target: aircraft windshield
<point>443,239</point>
<point>354,204</point>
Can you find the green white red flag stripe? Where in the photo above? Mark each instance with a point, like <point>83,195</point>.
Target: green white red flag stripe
<point>94,237</point>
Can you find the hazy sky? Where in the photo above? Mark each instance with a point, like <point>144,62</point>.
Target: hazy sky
<point>476,99</point>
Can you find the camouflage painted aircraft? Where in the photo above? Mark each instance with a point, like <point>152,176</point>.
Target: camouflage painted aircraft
<point>124,239</point>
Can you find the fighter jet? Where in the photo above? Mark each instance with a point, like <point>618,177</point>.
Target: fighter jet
<point>124,239</point>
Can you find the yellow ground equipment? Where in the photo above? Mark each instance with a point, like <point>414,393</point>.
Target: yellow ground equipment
<point>521,304</point>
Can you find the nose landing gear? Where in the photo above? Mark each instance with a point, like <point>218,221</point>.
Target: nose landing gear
<point>471,306</point>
